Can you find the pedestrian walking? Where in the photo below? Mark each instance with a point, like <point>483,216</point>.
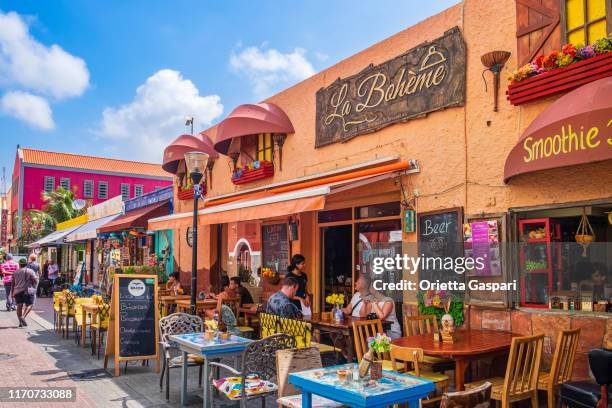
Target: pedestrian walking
<point>8,268</point>
<point>23,287</point>
<point>35,266</point>
<point>53,271</point>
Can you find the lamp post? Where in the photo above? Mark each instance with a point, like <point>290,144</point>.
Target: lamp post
<point>196,166</point>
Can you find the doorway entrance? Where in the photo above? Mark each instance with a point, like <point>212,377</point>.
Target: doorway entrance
<point>336,262</point>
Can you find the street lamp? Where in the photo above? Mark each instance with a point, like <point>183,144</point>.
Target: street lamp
<point>196,166</point>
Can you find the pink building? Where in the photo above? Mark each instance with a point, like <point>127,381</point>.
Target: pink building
<point>94,179</point>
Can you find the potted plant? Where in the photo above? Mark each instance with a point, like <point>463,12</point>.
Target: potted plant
<point>337,301</point>
<point>379,345</point>
<point>255,170</point>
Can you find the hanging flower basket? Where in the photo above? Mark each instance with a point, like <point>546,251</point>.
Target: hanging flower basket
<point>256,170</point>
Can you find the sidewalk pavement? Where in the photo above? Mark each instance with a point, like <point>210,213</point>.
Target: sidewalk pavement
<point>36,356</point>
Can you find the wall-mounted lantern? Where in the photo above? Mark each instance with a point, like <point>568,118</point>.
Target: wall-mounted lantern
<point>494,61</point>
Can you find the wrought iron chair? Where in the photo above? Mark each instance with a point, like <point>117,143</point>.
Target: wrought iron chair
<point>177,323</point>
<point>257,373</point>
<point>234,304</point>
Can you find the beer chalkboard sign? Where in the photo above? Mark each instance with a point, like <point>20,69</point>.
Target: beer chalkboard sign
<point>440,236</point>
<point>275,247</point>
<point>133,330</point>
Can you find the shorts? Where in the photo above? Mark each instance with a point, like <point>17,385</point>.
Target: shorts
<point>24,298</point>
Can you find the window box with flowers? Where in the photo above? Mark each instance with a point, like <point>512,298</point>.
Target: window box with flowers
<point>560,71</point>
<point>185,192</point>
<point>256,170</point>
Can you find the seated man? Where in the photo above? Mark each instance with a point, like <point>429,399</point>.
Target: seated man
<point>281,304</point>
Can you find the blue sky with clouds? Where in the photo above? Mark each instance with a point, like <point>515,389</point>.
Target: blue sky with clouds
<point>117,78</point>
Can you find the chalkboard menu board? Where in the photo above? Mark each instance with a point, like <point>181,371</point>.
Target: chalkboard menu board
<point>275,247</point>
<point>133,331</point>
<point>136,317</point>
<point>440,238</point>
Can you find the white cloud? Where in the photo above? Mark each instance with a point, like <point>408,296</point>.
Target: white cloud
<point>157,114</point>
<point>32,109</point>
<point>268,69</point>
<point>27,63</point>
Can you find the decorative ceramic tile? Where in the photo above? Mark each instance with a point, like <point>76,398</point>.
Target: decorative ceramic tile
<point>197,340</point>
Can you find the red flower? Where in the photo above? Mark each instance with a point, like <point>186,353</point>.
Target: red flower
<point>539,61</point>
<point>569,49</point>
<point>549,62</point>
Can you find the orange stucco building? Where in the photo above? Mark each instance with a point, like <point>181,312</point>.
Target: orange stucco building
<point>339,197</point>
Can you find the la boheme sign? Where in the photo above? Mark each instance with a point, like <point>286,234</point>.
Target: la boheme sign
<point>426,78</point>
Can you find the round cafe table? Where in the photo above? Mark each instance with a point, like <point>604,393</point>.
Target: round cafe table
<point>469,345</point>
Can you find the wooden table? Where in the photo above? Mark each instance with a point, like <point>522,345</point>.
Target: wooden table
<point>469,345</point>
<point>196,343</point>
<point>336,329</point>
<point>184,305</point>
<point>91,309</point>
<point>393,388</point>
<point>168,300</point>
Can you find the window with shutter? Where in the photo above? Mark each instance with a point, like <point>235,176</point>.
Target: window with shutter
<point>88,189</point>
<point>264,146</point>
<point>65,183</point>
<point>138,190</point>
<point>537,28</point>
<point>585,21</point>
<point>125,191</point>
<point>102,189</point>
<point>49,185</point>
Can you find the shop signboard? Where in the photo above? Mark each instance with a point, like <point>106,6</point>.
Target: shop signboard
<point>425,79</point>
<point>275,247</point>
<point>145,200</point>
<point>133,331</point>
<point>481,240</point>
<point>440,238</point>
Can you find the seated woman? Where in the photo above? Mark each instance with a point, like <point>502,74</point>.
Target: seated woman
<point>226,291</point>
<point>226,316</point>
<point>362,284</point>
<point>174,284</point>
<point>384,308</point>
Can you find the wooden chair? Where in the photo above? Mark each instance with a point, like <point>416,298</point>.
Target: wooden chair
<point>427,324</point>
<point>479,397</point>
<point>562,366</point>
<point>294,360</point>
<point>57,312</point>
<point>521,379</point>
<point>268,325</point>
<point>362,330</point>
<point>68,313</point>
<point>98,327</point>
<point>403,357</point>
<point>78,318</point>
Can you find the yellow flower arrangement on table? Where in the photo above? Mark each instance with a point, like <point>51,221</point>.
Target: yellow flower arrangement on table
<point>211,325</point>
<point>270,275</point>
<point>180,291</point>
<point>335,299</point>
<point>97,299</point>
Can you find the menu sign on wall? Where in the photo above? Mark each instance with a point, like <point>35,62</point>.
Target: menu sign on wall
<point>275,247</point>
<point>440,237</point>
<point>481,240</point>
<point>426,78</point>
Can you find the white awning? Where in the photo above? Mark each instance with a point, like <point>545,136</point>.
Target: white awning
<point>88,230</point>
<point>54,238</point>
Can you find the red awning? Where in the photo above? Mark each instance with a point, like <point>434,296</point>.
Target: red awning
<point>137,218</point>
<point>175,151</point>
<point>251,119</point>
<point>575,129</point>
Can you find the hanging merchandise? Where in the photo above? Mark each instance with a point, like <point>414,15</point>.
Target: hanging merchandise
<point>585,234</point>
<point>409,220</point>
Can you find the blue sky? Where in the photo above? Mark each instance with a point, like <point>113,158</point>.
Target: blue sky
<point>116,78</point>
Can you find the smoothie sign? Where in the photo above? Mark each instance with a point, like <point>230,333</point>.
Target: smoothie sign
<point>427,78</point>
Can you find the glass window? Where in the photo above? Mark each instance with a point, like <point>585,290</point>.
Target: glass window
<point>125,191</point>
<point>65,183</point>
<point>585,21</point>
<point>138,190</point>
<point>378,210</point>
<point>49,184</point>
<point>88,189</point>
<point>102,189</point>
<point>264,146</point>
<point>343,214</point>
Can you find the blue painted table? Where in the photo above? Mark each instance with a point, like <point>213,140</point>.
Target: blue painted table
<point>393,388</point>
<point>195,343</point>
